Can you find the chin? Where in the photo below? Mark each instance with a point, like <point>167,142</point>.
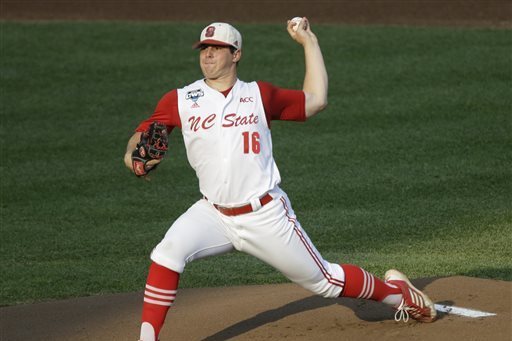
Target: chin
<point>208,74</point>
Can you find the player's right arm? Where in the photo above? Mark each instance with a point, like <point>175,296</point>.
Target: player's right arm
<point>166,112</point>
<point>315,85</point>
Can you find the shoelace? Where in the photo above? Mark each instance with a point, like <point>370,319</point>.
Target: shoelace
<point>402,312</point>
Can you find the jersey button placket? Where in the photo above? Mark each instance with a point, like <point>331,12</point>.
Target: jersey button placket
<point>224,145</point>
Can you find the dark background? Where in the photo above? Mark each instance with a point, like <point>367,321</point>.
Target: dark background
<point>495,13</point>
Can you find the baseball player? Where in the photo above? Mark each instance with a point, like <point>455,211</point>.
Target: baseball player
<point>225,123</point>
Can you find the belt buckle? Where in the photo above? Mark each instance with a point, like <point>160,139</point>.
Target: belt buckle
<point>253,206</point>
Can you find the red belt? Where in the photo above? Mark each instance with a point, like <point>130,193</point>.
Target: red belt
<point>231,211</point>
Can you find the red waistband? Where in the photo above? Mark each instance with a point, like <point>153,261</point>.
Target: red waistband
<point>232,211</point>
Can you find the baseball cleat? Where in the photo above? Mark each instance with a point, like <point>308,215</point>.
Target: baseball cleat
<point>414,303</point>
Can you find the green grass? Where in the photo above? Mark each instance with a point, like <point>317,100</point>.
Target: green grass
<point>409,167</point>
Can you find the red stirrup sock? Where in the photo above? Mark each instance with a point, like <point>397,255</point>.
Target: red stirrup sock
<point>161,288</point>
<point>362,284</point>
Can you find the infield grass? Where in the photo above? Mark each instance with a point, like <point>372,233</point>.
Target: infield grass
<point>408,167</point>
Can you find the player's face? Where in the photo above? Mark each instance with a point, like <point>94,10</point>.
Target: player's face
<point>217,61</point>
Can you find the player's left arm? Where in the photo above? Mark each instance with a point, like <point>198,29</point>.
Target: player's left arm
<point>166,112</point>
<point>315,85</point>
<point>130,147</point>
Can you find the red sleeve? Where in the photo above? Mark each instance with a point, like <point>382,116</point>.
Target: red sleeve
<point>282,104</point>
<point>166,112</point>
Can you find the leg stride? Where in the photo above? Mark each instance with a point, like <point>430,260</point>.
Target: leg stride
<point>159,295</point>
<point>361,284</point>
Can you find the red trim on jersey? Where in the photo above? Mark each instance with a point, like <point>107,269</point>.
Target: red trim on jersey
<point>166,112</point>
<point>282,104</point>
<point>226,92</point>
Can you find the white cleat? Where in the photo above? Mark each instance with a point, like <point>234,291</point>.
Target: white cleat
<point>414,303</point>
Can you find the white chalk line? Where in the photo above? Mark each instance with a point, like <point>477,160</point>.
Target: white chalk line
<point>462,311</point>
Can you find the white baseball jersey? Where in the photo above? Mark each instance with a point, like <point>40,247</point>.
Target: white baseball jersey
<point>228,142</point>
<point>227,136</point>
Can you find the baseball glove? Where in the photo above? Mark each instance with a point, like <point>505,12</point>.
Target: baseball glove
<point>153,145</point>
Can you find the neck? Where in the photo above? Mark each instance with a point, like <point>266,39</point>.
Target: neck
<point>221,83</point>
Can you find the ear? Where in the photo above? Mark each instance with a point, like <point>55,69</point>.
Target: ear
<point>237,56</point>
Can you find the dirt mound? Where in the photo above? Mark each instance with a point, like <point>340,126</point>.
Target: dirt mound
<point>272,312</point>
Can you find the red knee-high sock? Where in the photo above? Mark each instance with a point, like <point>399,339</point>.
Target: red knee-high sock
<point>362,284</point>
<point>161,288</point>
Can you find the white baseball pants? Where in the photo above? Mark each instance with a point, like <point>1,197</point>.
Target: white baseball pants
<point>272,234</point>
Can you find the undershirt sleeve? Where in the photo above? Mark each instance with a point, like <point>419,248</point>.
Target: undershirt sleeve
<point>166,112</point>
<point>282,104</point>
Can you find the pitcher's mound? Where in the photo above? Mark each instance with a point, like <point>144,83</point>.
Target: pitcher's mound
<point>266,312</point>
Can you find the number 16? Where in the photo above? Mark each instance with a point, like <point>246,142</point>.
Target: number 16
<point>253,143</point>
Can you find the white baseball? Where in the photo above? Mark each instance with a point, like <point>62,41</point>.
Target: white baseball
<point>296,22</point>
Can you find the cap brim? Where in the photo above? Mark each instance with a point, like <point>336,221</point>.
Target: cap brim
<point>211,42</point>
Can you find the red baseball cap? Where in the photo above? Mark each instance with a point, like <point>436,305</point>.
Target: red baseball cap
<point>221,34</point>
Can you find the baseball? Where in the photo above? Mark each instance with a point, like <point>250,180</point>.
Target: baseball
<point>296,22</point>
